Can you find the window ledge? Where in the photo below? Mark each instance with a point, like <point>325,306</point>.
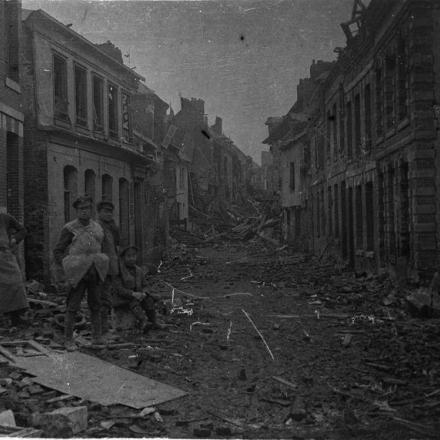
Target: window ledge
<point>13,85</point>
<point>390,133</point>
<point>62,122</point>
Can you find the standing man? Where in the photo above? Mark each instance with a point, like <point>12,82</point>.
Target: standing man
<point>110,247</point>
<point>79,252</point>
<point>13,300</point>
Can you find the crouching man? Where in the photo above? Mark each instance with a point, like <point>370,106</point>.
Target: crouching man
<point>79,252</point>
<point>130,290</point>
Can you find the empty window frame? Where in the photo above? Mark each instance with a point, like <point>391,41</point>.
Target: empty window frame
<point>402,72</point>
<point>357,124</point>
<point>70,190</point>
<point>61,104</point>
<point>335,131</point>
<point>80,95</point>
<point>359,218</point>
<point>379,102</point>
<point>98,103</point>
<point>292,176</point>
<point>11,38</point>
<point>390,90</point>
<point>126,123</point>
<point>349,116</point>
<point>367,108</point>
<point>112,93</point>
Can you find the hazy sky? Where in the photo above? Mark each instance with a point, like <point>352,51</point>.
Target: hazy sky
<point>243,57</point>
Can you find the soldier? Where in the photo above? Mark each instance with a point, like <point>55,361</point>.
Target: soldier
<point>79,252</point>
<point>13,300</point>
<point>110,247</point>
<point>130,289</point>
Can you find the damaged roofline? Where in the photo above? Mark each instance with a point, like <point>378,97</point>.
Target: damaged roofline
<point>84,40</point>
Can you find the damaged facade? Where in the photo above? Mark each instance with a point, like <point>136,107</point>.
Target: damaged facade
<point>11,112</point>
<point>370,187</point>
<point>78,135</point>
<point>75,119</point>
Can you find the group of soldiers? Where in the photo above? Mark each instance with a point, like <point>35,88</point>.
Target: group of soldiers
<point>90,259</point>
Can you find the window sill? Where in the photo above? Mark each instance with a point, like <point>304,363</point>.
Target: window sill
<point>13,85</point>
<point>82,128</point>
<point>62,122</point>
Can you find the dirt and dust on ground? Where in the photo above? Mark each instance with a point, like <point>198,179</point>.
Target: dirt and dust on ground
<point>267,343</point>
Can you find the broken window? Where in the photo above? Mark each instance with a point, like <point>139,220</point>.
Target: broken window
<point>126,123</point>
<point>112,93</point>
<point>367,105</point>
<point>336,207</point>
<point>107,187</point>
<point>391,215</point>
<point>60,88</point>
<point>402,72</point>
<point>357,124</point>
<point>81,95</point>
<point>335,131</point>
<point>90,183</point>
<point>98,103</point>
<point>11,38</point>
<point>13,174</point>
<point>370,212</point>
<point>70,191</point>
<point>359,218</point>
<point>349,131</point>
<point>379,102</point>
<point>404,209</point>
<point>329,134</point>
<point>330,210</point>
<point>390,90</point>
<point>292,176</point>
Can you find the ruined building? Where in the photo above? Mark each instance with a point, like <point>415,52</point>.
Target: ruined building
<point>78,137</point>
<point>371,190</point>
<point>11,111</point>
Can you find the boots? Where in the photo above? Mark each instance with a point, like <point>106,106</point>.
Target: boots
<point>95,318</point>
<point>151,314</point>
<point>105,321</point>
<point>69,323</point>
<point>140,315</point>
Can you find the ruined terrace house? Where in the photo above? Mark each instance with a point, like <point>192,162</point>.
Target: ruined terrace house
<point>78,137</point>
<point>375,184</point>
<point>11,111</point>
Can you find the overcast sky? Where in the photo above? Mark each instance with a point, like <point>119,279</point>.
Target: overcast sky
<point>243,57</point>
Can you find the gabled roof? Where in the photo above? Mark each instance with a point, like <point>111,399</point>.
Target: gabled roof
<point>28,15</point>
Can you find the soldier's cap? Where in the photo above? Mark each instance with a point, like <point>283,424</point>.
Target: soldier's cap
<point>124,250</point>
<point>81,200</point>
<point>105,204</point>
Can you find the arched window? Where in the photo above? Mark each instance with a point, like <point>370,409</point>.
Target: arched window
<point>70,191</point>
<point>90,183</point>
<point>124,211</point>
<point>107,187</point>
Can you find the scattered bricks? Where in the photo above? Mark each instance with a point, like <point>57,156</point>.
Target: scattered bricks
<point>201,433</point>
<point>223,431</point>
<point>62,419</point>
<point>6,382</point>
<point>242,375</point>
<point>297,410</point>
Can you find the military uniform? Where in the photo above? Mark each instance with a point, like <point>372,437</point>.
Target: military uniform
<point>128,281</point>
<point>85,267</point>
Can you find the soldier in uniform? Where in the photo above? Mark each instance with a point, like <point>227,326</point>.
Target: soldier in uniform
<point>110,247</point>
<point>130,289</point>
<point>79,252</point>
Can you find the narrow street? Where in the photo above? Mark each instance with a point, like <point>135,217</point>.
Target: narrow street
<point>344,364</point>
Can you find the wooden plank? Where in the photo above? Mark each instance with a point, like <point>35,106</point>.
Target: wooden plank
<point>90,378</point>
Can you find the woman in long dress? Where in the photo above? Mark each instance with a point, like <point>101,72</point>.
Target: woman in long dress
<point>13,300</point>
